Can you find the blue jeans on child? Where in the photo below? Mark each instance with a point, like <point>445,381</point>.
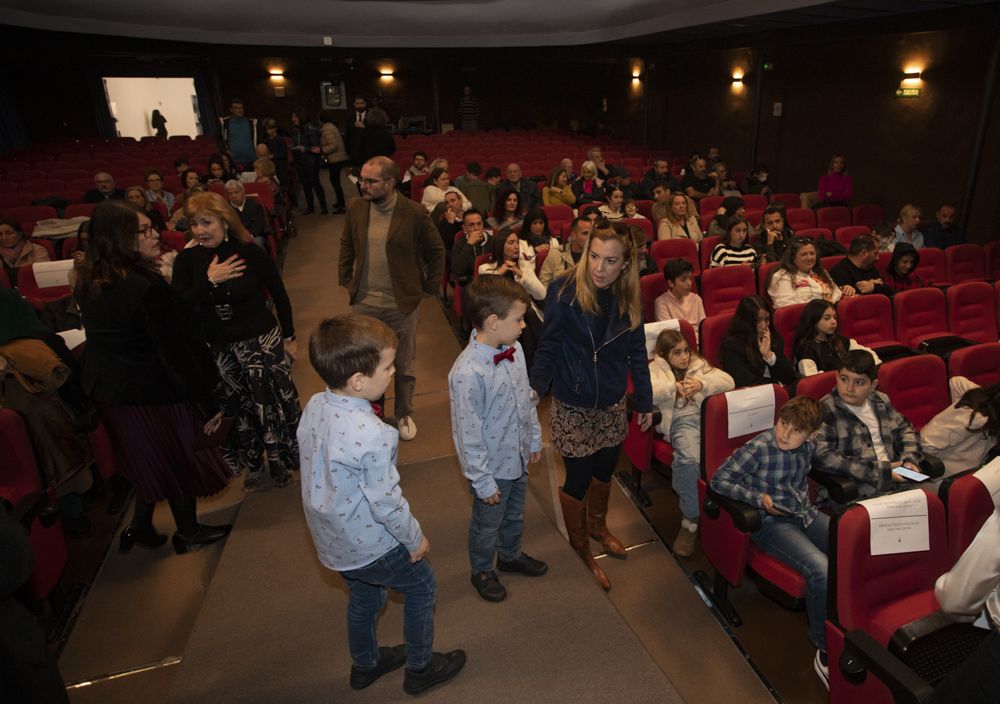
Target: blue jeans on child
<point>367,585</point>
<point>805,549</point>
<point>685,438</point>
<point>497,528</point>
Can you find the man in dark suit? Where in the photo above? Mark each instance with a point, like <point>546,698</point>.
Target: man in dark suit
<point>391,256</point>
<point>252,214</point>
<point>528,190</point>
<point>104,189</point>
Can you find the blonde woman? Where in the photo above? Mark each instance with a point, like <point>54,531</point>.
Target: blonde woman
<point>681,221</point>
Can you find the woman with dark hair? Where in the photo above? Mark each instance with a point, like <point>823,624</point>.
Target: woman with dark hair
<point>159,123</point>
<point>559,191</point>
<point>818,346</point>
<point>535,235</point>
<point>966,434</point>
<point>228,279</point>
<point>15,249</point>
<point>753,351</point>
<point>733,205</point>
<point>335,153</point>
<point>217,172</point>
<point>136,195</point>
<point>508,213</point>
<point>151,380</point>
<point>592,338</point>
<point>306,160</point>
<point>438,184</point>
<point>901,274</point>
<point>801,277</point>
<point>734,249</point>
<point>612,209</point>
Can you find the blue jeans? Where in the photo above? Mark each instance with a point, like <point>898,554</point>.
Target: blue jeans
<point>497,528</point>
<point>367,585</point>
<point>804,548</point>
<point>685,437</point>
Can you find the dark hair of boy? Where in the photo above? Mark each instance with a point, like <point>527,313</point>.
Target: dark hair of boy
<point>493,295</point>
<point>423,154</point>
<point>347,344</point>
<point>675,268</point>
<point>860,362</point>
<point>474,168</point>
<point>862,243</point>
<point>492,171</point>
<point>802,413</point>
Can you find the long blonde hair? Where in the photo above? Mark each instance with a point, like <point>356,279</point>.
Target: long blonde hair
<point>625,288</point>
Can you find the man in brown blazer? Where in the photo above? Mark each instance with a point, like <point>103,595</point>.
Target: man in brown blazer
<point>390,256</point>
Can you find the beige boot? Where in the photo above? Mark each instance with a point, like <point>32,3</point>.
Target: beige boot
<point>687,538</point>
<point>575,516</point>
<point>597,517</point>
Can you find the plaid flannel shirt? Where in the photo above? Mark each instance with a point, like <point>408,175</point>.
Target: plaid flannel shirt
<point>760,467</point>
<point>844,445</point>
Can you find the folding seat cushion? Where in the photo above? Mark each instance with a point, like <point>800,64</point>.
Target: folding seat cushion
<point>917,387</point>
<point>965,262</point>
<point>972,311</point>
<point>979,363</point>
<point>833,217</point>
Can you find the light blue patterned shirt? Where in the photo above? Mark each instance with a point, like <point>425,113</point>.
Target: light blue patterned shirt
<point>916,238</point>
<point>350,487</point>
<point>493,422</point>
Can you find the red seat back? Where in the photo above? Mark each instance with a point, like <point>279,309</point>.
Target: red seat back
<point>763,277</point>
<point>979,363</point>
<point>76,210</point>
<point>871,216</point>
<point>651,286</point>
<point>786,320</point>
<point>15,200</point>
<point>262,191</point>
<point>789,200</point>
<point>28,287</point>
<point>29,215</point>
<point>713,332</point>
<point>972,311</point>
<point>646,208</point>
<point>43,187</point>
<point>19,476</point>
<point>664,250</point>
<point>709,205</point>
<point>724,287</point>
<point>833,217</point>
<point>753,201</point>
<point>918,312</point>
<point>845,235</point>
<point>800,218</point>
<point>815,233</point>
<point>933,266</point>
<point>705,248</point>
<point>816,386</point>
<point>917,387</point>
<point>173,239</point>
<point>645,225</point>
<point>558,212</point>
<point>867,319</point>
<point>969,505</point>
<point>992,257</point>
<point>965,262</point>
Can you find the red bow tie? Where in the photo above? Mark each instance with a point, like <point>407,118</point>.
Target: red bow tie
<point>507,354</point>
<point>376,408</point>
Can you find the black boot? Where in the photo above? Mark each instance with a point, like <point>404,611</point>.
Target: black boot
<point>140,530</point>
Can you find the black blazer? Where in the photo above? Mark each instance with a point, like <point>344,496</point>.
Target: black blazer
<point>139,348</point>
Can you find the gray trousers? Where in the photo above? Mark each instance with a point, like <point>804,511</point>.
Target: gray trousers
<point>405,327</point>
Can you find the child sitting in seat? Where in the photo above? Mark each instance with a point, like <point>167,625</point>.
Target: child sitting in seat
<point>818,347</point>
<point>678,302</point>
<point>682,380</point>
<point>770,472</point>
<point>735,248</point>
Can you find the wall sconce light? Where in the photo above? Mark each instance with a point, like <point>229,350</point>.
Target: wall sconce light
<point>911,77</point>
<point>276,74</point>
<point>386,74</point>
<point>910,86</point>
<point>737,77</point>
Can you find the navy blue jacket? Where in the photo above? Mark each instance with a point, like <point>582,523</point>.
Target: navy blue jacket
<point>584,372</point>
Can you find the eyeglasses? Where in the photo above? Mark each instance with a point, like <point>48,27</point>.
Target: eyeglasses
<point>369,182</point>
<point>146,231</point>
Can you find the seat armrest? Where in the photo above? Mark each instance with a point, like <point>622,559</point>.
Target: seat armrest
<point>932,466</point>
<point>843,490</point>
<point>863,654</point>
<point>745,517</point>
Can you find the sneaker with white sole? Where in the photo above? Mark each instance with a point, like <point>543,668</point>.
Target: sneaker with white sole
<point>822,668</point>
<point>407,428</point>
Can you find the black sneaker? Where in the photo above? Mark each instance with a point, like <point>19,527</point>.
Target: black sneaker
<point>389,659</point>
<point>524,564</point>
<point>488,586</point>
<point>443,667</point>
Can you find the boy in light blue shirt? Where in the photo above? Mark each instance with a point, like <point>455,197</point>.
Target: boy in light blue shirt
<point>496,431</point>
<point>360,523</point>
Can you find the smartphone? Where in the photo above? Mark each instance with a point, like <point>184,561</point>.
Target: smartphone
<point>908,473</point>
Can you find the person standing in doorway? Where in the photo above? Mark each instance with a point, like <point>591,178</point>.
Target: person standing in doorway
<point>391,255</point>
<point>239,133</point>
<point>468,110</point>
<point>159,123</point>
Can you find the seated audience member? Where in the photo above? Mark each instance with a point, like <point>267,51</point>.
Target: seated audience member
<point>801,277</point>
<point>588,188</point>
<point>835,186</point>
<point>863,436</point>
<point>621,178</point>
<point>181,164</point>
<point>439,183</point>
<point>679,301</point>
<point>177,221</point>
<point>612,208</point>
<point>136,195</point>
<point>906,231</point>
<point>713,157</point>
<point>731,205</point>
<point>900,274</point>
<point>104,189</point>
<point>16,250</point>
<point>466,249</point>
<point>447,216</point>
<point>559,191</point>
<point>773,235</point>
<point>217,171</point>
<point>661,203</point>
<point>727,184</point>
<point>658,175</point>
<point>753,352</point>
<point>155,192</point>
<point>417,168</point>
<point>264,172</point>
<point>647,265</point>
<point>568,165</point>
<point>438,163</point>
<point>856,273</point>
<point>698,183</point>
<point>535,235</point>
<point>477,191</point>
<point>604,169</point>
<point>263,152</point>
<point>680,221</point>
<point>771,473</point>
<point>191,178</point>
<point>631,209</point>
<point>818,347</point>
<point>756,181</point>
<point>565,257</point>
<point>945,230</point>
<point>508,212</point>
<point>965,435</point>
<point>682,379</point>
<point>734,249</point>
<point>508,261</point>
<point>251,213</point>
<point>492,177</point>
<point>525,188</point>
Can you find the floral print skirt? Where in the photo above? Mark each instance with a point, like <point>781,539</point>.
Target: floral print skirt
<point>579,432</point>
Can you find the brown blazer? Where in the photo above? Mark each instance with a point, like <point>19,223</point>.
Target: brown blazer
<point>413,248</point>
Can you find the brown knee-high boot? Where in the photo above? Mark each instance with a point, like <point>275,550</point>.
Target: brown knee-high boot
<point>597,514</point>
<point>575,516</point>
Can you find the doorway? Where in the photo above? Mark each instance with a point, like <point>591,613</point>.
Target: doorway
<point>132,101</point>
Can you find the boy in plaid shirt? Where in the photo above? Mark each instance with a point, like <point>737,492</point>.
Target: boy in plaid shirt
<point>771,473</point>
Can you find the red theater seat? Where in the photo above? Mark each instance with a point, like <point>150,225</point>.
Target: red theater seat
<point>871,216</point>
<point>845,235</point>
<point>723,288</point>
<point>800,218</point>
<point>664,250</point>
<point>833,217</point>
<point>979,363</point>
<point>919,314</point>
<point>917,387</point>
<point>713,331</point>
<point>972,311</point>
<point>965,262</point>
<point>786,320</point>
<point>789,200</point>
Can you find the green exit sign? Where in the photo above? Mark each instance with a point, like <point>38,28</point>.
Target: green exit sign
<point>908,92</point>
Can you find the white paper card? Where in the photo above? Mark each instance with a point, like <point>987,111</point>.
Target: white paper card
<point>989,475</point>
<point>898,522</point>
<point>653,330</point>
<point>52,274</point>
<point>73,338</point>
<point>751,410</point>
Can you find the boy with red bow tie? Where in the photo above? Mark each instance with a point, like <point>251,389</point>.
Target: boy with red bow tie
<point>496,431</point>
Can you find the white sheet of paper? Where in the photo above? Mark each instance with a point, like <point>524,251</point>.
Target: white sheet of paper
<point>989,475</point>
<point>52,274</point>
<point>750,410</point>
<point>653,330</point>
<point>899,522</point>
<point>73,338</point>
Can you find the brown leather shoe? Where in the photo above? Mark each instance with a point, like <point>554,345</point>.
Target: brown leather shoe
<point>575,516</point>
<point>597,516</point>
